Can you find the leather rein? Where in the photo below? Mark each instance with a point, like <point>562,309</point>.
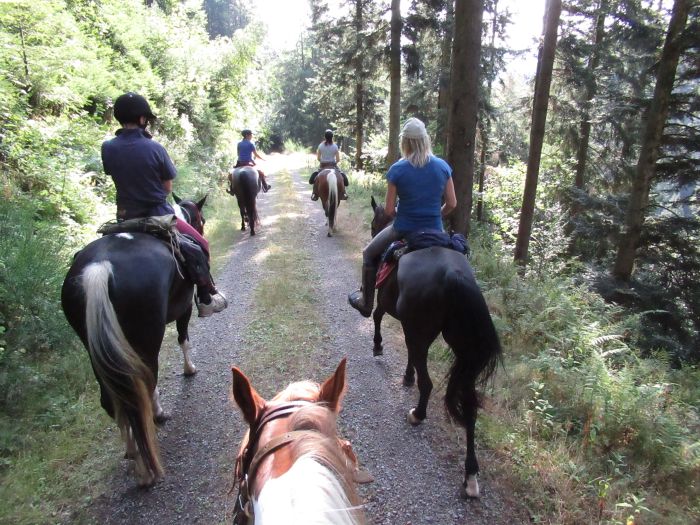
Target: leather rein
<point>249,460</point>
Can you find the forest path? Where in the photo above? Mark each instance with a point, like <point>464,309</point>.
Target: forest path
<point>417,470</point>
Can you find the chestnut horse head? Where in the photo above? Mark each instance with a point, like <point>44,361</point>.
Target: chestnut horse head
<point>292,466</point>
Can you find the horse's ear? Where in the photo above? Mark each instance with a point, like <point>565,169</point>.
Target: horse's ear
<point>178,200</point>
<point>374,203</point>
<point>333,388</point>
<point>200,204</point>
<point>248,400</point>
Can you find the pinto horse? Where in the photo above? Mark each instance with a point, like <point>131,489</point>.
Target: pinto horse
<point>329,186</point>
<point>244,183</point>
<point>120,292</point>
<point>434,291</point>
<point>292,467</point>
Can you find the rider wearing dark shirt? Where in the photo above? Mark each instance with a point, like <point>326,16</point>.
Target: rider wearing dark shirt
<point>143,173</point>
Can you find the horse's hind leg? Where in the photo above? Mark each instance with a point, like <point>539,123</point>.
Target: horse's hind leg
<point>183,339</point>
<point>377,316</point>
<point>470,485</point>
<point>417,344</point>
<point>251,221</point>
<point>241,208</point>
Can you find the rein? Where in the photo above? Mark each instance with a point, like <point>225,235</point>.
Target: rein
<point>249,460</point>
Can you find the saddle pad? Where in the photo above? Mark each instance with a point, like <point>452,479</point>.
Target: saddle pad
<point>385,269</point>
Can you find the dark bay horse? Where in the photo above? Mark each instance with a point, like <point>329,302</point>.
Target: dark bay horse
<point>245,184</point>
<point>120,292</point>
<point>292,466</point>
<point>434,291</point>
<point>329,187</point>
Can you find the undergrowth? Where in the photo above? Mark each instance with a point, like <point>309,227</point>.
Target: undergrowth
<point>595,433</point>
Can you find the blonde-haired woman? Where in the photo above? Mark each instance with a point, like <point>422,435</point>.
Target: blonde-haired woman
<point>419,181</point>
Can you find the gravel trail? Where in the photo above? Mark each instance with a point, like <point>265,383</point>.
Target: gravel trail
<point>417,470</point>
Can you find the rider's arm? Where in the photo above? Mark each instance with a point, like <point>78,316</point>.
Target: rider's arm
<point>390,202</point>
<point>337,156</point>
<point>256,154</point>
<point>450,198</point>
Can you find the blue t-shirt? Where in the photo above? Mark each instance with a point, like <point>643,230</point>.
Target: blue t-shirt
<point>138,165</point>
<point>245,151</point>
<point>419,193</point>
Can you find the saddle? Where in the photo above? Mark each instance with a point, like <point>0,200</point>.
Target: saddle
<point>418,241</point>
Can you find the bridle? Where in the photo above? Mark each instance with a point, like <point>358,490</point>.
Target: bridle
<point>193,216</point>
<point>250,458</point>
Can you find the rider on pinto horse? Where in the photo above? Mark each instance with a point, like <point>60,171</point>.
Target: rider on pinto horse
<point>420,180</point>
<point>143,175</point>
<point>328,156</point>
<point>247,153</point>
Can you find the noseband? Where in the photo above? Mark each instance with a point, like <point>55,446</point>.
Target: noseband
<point>249,460</point>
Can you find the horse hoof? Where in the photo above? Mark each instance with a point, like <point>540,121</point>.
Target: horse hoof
<point>189,372</point>
<point>161,418</point>
<point>329,234</point>
<point>409,381</point>
<point>471,490</point>
<point>252,233</point>
<point>412,419</point>
<point>378,350</point>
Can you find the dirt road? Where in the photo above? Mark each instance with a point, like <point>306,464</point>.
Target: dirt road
<point>417,471</point>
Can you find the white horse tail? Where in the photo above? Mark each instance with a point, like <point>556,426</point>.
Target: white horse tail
<point>121,372</point>
<point>332,180</point>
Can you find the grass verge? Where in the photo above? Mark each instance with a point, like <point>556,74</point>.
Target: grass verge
<point>286,330</point>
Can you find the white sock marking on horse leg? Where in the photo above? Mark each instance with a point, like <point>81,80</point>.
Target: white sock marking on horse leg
<point>412,419</point>
<point>472,488</point>
<point>157,409</point>
<point>189,369</point>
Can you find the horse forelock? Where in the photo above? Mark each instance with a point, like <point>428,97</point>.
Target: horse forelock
<point>299,391</point>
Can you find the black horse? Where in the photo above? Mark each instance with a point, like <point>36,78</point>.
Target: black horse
<point>120,292</point>
<point>434,291</point>
<point>245,183</point>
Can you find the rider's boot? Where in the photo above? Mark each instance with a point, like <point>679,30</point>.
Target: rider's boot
<point>265,185</point>
<point>209,300</point>
<point>363,299</point>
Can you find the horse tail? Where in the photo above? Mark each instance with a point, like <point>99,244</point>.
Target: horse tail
<point>470,332</point>
<point>249,192</point>
<point>332,181</point>
<point>120,370</point>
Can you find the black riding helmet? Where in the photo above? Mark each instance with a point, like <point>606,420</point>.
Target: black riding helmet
<point>329,134</point>
<point>130,106</point>
<point>246,132</point>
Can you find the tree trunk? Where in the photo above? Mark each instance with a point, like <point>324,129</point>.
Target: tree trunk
<point>655,121</point>
<point>444,79</point>
<point>464,106</point>
<point>393,152</point>
<point>590,92</point>
<point>359,87</point>
<point>543,81</point>
<point>485,124</point>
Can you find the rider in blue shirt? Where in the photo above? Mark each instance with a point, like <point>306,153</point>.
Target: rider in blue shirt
<point>247,153</point>
<point>419,181</point>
